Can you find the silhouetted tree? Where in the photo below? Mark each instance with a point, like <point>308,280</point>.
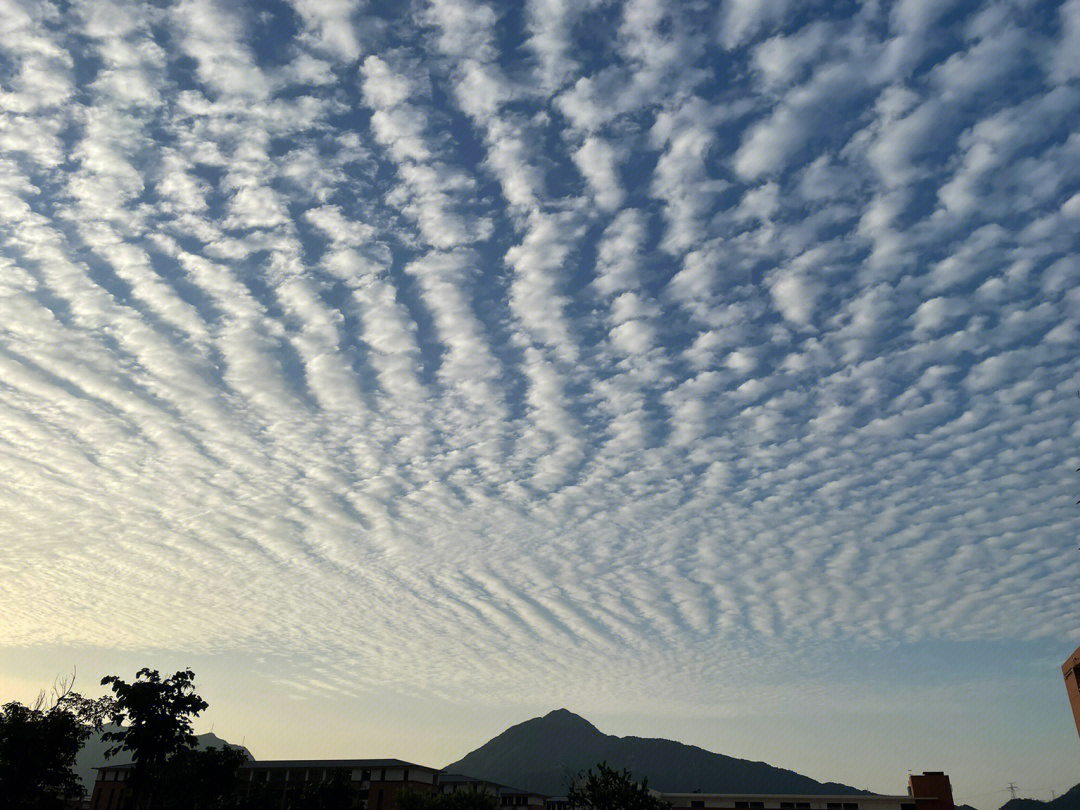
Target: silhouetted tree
<point>609,789</point>
<point>155,715</point>
<point>255,796</point>
<point>334,793</point>
<point>202,780</point>
<point>38,745</point>
<point>457,800</point>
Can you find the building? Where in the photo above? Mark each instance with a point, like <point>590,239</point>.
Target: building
<point>931,791</point>
<point>376,782</point>
<point>110,788</point>
<point>766,801</point>
<point>504,795</point>
<point>1070,670</point>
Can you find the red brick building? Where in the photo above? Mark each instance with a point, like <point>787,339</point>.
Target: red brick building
<point>1070,670</point>
<point>931,791</point>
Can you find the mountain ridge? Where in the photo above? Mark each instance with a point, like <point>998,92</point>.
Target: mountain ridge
<point>1070,800</point>
<point>544,753</point>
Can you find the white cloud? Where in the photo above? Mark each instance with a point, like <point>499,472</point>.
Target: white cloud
<point>1062,64</point>
<point>781,59</point>
<point>330,25</point>
<point>742,19</point>
<point>795,296</point>
<point>599,161</point>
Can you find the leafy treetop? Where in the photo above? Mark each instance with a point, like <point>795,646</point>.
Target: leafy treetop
<point>158,715</point>
<point>609,789</point>
<point>457,800</point>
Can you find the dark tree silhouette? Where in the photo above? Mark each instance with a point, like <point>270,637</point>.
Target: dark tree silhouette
<point>457,800</point>
<point>609,789</point>
<point>155,715</point>
<point>202,780</point>
<point>334,793</point>
<point>38,745</point>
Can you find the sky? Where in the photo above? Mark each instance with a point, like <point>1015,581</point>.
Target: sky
<point>410,369</point>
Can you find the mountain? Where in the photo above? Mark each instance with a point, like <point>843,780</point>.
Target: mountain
<point>92,754</point>
<point>544,753</point>
<point>1069,800</point>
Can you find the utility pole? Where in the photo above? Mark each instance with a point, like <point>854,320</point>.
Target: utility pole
<point>1012,789</point>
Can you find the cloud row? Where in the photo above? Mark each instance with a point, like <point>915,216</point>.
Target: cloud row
<point>452,342</point>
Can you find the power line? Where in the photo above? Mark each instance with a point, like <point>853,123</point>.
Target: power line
<point>1012,789</point>
<point>980,795</point>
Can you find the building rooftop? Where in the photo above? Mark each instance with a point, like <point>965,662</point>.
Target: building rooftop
<point>846,797</point>
<point>335,763</point>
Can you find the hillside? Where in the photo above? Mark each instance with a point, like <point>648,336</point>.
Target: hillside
<point>544,753</point>
<point>1066,801</point>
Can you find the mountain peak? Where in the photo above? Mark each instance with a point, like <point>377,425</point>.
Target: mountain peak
<point>565,720</point>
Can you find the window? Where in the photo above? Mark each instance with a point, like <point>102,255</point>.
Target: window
<point>787,805</point>
<point>405,775</point>
<point>907,806</point>
<point>802,805</point>
<point>757,805</point>
<point>742,805</point>
<point>834,806</point>
<point>851,806</point>
<point>697,802</point>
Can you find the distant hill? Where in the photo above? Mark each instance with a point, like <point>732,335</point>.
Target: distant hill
<point>1066,801</point>
<point>93,751</point>
<point>545,753</point>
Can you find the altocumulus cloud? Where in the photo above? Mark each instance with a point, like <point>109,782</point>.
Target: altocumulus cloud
<point>478,348</point>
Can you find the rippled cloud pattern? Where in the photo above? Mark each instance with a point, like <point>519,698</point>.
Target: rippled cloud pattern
<point>483,349</point>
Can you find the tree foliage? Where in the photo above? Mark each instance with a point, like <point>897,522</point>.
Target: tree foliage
<point>39,743</point>
<point>155,716</point>
<point>334,793</point>
<point>202,780</point>
<point>609,789</point>
<point>457,800</point>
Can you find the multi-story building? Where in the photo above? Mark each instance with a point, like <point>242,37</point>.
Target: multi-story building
<point>779,801</point>
<point>504,796</point>
<point>931,791</point>
<point>377,783</point>
<point>1070,670</point>
<point>110,789</point>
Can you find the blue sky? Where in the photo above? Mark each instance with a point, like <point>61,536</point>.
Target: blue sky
<point>709,368</point>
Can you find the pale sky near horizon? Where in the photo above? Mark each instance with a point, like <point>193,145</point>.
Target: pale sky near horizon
<point>410,369</point>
